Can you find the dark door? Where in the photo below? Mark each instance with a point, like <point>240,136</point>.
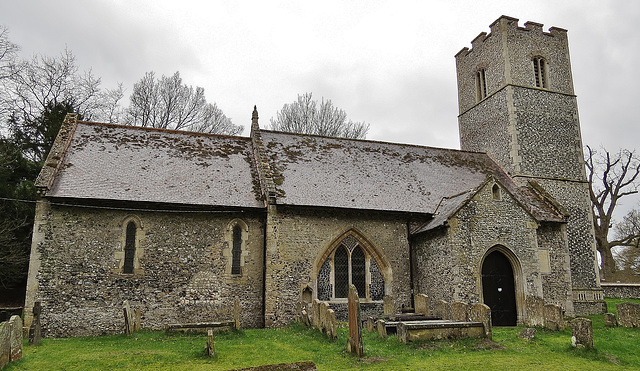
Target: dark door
<point>498,289</point>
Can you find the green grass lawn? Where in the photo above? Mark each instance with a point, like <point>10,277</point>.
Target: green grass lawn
<point>615,348</point>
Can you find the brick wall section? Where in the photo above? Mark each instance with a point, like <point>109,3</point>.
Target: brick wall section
<point>297,240</point>
<point>450,260</point>
<point>183,278</point>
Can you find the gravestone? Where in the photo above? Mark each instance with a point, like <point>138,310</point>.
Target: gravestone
<point>236,313</point>
<point>316,313</point>
<point>481,313</point>
<point>553,318</point>
<point>371,323</point>
<point>582,333</point>
<point>333,324</point>
<point>129,318</point>
<point>210,349</point>
<point>354,345</point>
<point>138,321</point>
<point>35,330</point>
<point>5,343</point>
<point>324,317</point>
<point>528,333</point>
<point>442,309</point>
<point>535,311</point>
<point>459,311</point>
<point>421,302</point>
<point>381,328</point>
<point>628,314</point>
<point>16,337</point>
<point>304,316</point>
<point>387,305</point>
<point>610,320</point>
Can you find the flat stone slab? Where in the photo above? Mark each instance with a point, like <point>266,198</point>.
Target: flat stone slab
<point>199,325</point>
<point>438,329</point>
<point>409,317</point>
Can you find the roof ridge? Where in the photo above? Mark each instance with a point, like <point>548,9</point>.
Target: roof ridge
<point>144,128</point>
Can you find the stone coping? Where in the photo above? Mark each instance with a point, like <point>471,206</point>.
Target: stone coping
<point>434,324</point>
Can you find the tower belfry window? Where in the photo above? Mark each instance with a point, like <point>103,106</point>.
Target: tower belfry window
<point>481,85</point>
<point>540,72</point>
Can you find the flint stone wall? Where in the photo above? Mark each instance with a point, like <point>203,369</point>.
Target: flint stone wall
<point>449,265</point>
<point>297,240</point>
<point>183,267</point>
<point>621,290</point>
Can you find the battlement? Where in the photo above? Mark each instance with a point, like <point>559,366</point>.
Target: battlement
<point>506,23</point>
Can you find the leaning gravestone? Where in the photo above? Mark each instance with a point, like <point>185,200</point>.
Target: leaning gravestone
<point>582,334</point>
<point>442,309</point>
<point>5,343</point>
<point>16,337</point>
<point>382,328</point>
<point>129,318</point>
<point>333,324</point>
<point>236,314</point>
<point>35,330</point>
<point>628,314</point>
<point>354,345</point>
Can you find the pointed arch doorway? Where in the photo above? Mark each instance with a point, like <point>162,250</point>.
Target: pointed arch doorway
<point>499,289</point>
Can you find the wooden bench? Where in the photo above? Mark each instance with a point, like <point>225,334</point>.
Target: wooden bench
<point>199,325</point>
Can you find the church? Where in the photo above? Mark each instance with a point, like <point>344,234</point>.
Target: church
<point>181,224</point>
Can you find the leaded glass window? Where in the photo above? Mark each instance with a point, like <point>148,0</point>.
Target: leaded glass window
<point>341,272</point>
<point>358,275</point>
<point>236,251</point>
<point>129,247</point>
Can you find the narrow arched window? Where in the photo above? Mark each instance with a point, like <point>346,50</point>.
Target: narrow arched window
<point>481,84</point>
<point>130,248</point>
<point>540,72</point>
<point>236,251</point>
<point>358,275</point>
<point>495,191</point>
<point>341,269</point>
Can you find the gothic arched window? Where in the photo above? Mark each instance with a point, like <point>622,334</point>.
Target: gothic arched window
<point>130,247</point>
<point>350,264</point>
<point>540,72</point>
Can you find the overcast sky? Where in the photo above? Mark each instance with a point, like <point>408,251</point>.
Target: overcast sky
<point>389,63</point>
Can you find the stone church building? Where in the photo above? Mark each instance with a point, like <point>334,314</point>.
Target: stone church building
<point>180,223</point>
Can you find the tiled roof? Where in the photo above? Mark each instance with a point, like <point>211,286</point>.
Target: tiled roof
<point>333,172</point>
<point>135,164</point>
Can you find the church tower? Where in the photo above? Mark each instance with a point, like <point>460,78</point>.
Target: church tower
<point>517,103</point>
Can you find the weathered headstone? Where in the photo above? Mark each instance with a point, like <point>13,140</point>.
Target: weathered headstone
<point>371,324</point>
<point>442,309</point>
<point>528,333</point>
<point>16,337</point>
<point>236,313</point>
<point>481,313</point>
<point>382,328</point>
<point>35,330</point>
<point>582,334</point>
<point>5,343</point>
<point>628,314</point>
<point>459,311</point>
<point>535,311</point>
<point>324,318</point>
<point>304,316</point>
<point>129,318</point>
<point>387,305</point>
<point>354,344</point>
<point>421,302</point>
<point>138,321</point>
<point>553,318</point>
<point>610,320</point>
<point>316,313</point>
<point>210,349</point>
<point>333,324</point>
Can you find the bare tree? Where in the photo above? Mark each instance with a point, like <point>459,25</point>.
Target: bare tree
<point>629,230</point>
<point>611,177</point>
<point>42,80</point>
<point>167,103</point>
<point>306,116</point>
